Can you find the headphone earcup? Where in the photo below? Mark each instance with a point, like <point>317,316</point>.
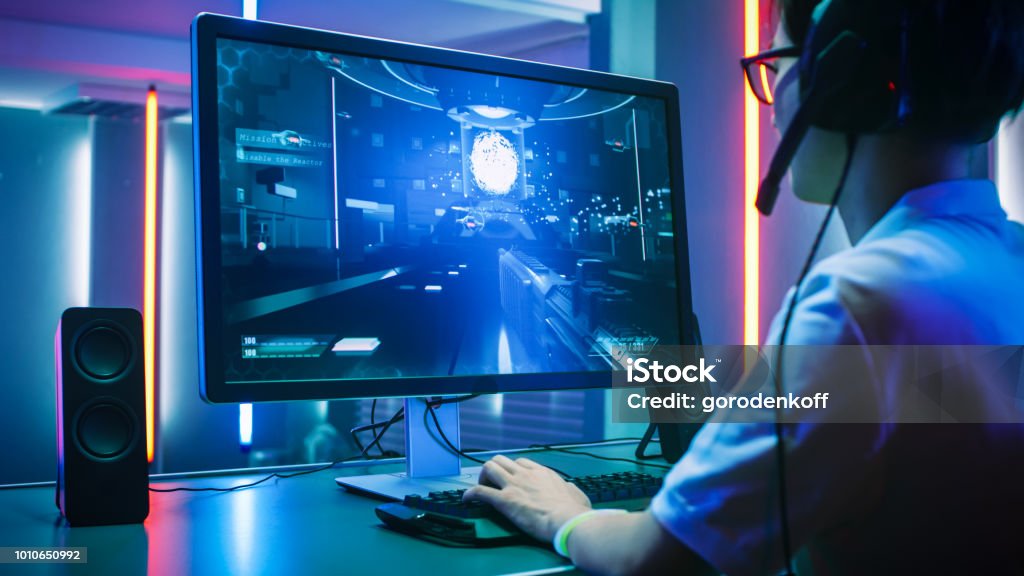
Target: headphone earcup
<point>858,90</point>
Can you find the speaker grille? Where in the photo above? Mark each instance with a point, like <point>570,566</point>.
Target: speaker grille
<point>102,352</point>
<point>105,431</point>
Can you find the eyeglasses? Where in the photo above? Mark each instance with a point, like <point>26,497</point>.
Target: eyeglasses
<point>760,70</point>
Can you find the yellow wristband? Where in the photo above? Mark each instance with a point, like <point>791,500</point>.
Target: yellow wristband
<point>561,540</point>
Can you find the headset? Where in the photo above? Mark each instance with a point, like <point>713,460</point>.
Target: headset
<point>848,84</point>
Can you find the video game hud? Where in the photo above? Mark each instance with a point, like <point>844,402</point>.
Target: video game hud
<point>382,219</point>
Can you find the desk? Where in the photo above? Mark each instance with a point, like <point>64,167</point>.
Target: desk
<point>302,525</point>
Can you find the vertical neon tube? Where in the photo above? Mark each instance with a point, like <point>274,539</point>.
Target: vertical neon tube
<point>81,202</point>
<point>245,425</point>
<point>752,175</point>
<point>249,9</point>
<point>149,270</point>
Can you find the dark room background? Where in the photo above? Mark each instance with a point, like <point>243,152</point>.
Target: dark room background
<point>71,186</point>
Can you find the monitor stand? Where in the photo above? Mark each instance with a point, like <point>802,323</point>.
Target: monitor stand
<point>430,466</point>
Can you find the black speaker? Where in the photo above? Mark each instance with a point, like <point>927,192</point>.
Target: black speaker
<point>102,475</point>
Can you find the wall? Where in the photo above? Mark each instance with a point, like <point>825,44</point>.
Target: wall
<point>45,179</point>
<point>118,205</point>
<point>698,44</point>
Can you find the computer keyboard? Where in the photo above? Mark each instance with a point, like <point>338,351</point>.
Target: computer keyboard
<point>445,518</point>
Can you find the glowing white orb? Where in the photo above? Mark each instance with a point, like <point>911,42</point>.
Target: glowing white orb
<point>494,163</point>
<point>492,112</point>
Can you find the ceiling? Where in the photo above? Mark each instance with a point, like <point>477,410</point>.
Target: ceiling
<point>160,17</point>
<point>47,45</point>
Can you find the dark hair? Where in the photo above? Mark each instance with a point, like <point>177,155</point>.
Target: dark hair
<point>965,58</point>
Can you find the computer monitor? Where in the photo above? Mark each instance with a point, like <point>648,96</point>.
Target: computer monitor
<point>382,219</point>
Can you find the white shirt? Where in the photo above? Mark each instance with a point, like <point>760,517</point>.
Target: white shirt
<point>943,266</point>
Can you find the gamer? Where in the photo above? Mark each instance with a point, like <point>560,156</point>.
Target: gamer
<point>880,102</point>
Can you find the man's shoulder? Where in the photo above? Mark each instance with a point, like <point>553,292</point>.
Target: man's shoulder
<point>883,266</point>
<point>908,286</point>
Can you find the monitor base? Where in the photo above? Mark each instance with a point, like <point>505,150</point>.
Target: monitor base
<point>399,485</point>
<point>430,464</point>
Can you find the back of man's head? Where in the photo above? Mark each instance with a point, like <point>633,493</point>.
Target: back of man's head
<point>964,58</point>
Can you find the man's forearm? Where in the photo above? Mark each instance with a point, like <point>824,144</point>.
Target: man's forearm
<point>630,544</point>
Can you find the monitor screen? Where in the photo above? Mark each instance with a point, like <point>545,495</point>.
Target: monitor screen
<point>387,219</point>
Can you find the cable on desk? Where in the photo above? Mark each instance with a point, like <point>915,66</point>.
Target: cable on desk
<point>555,448</point>
<point>597,442</point>
<point>362,453</point>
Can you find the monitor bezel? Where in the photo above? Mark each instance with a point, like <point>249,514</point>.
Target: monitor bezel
<point>205,30</point>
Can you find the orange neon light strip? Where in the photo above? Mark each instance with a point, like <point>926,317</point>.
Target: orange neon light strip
<point>752,175</point>
<point>765,85</point>
<point>149,271</point>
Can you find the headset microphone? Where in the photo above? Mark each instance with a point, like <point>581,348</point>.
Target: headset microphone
<point>768,191</point>
<point>831,73</point>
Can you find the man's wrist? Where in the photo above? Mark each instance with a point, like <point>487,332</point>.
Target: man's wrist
<point>559,517</point>
<point>560,541</point>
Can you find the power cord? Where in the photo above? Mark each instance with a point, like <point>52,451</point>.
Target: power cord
<point>780,449</point>
<point>373,421</point>
<point>398,417</point>
<point>555,448</point>
<point>444,437</point>
<point>373,426</point>
<point>597,442</point>
<point>455,450</point>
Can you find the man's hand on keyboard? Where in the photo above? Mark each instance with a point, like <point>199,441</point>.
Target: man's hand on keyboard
<point>533,497</point>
